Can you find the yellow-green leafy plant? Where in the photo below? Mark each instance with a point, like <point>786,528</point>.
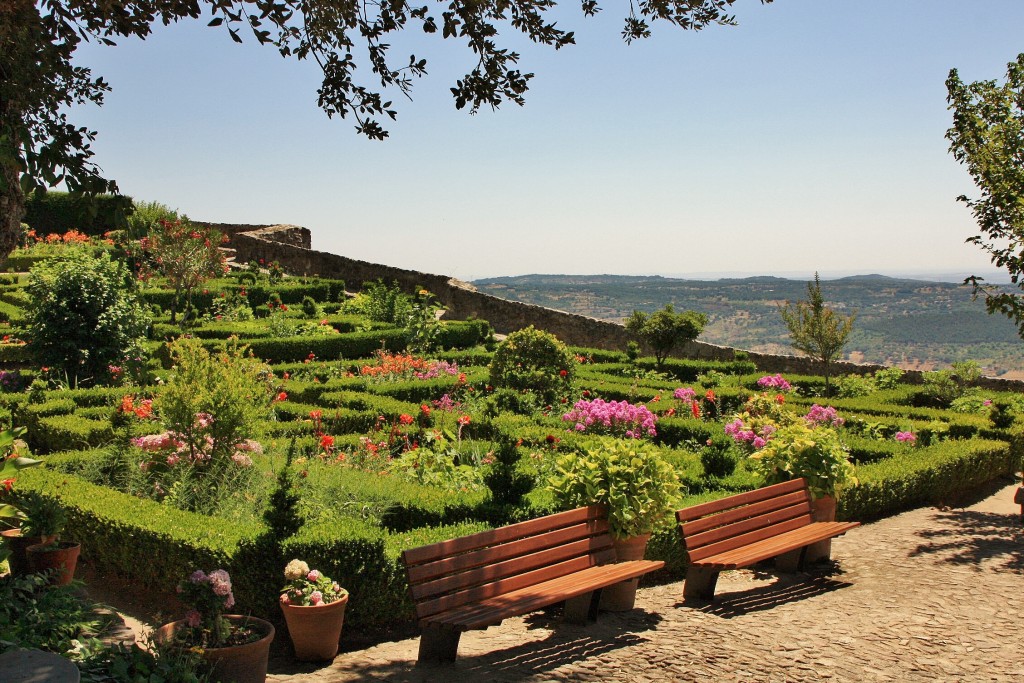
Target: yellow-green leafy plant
<point>814,453</point>
<point>640,489</point>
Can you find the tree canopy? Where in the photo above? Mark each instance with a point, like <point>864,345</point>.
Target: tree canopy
<point>665,330</point>
<point>988,137</point>
<point>40,147</point>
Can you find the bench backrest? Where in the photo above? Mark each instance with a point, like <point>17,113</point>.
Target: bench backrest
<point>735,521</point>
<point>471,568</point>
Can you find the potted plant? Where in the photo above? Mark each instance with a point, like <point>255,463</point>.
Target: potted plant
<point>638,487</point>
<point>235,647</point>
<point>12,516</point>
<point>314,608</point>
<point>816,454</point>
<point>44,522</point>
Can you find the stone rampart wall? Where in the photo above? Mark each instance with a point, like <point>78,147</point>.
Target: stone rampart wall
<point>290,245</point>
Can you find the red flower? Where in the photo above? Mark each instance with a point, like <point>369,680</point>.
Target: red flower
<point>695,409</point>
<point>405,419</point>
<point>549,438</point>
<point>710,395</point>
<point>326,442</point>
<point>316,414</point>
<point>779,398</point>
<point>8,484</point>
<point>563,373</point>
<point>425,409</point>
<point>463,420</point>
<point>282,396</point>
<point>671,412</point>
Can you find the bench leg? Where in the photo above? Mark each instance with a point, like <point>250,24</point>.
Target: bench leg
<point>438,644</point>
<point>700,583</point>
<point>793,561</point>
<point>582,608</point>
<point>819,552</point>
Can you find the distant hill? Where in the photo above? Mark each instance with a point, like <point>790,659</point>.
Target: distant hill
<point>906,322</point>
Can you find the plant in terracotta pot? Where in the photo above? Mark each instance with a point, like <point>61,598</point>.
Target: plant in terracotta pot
<point>810,450</point>
<point>44,522</point>
<point>11,513</point>
<point>314,608</point>
<point>235,647</point>
<point>638,487</point>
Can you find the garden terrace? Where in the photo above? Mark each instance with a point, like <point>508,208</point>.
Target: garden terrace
<point>385,449</point>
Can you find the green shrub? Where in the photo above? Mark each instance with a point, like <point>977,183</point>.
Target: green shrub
<point>923,475</point>
<point>58,212</point>
<point>534,360</point>
<point>84,316</point>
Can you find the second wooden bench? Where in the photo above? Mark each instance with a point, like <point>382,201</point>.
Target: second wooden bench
<point>476,581</point>
<point>742,530</point>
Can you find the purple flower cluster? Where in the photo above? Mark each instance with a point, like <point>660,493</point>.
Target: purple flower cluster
<point>819,415</point>
<point>906,437</point>
<point>616,417</point>
<point>741,434</point>
<point>775,381</point>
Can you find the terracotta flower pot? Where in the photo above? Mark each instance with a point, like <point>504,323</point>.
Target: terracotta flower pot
<point>62,557</point>
<point>622,596</point>
<point>235,663</point>
<point>18,545</point>
<point>315,630</point>
<point>822,510</point>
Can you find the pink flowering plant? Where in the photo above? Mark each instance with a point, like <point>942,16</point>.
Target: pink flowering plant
<point>307,587</point>
<point>776,382</point>
<point>762,416</point>
<point>618,418</point>
<point>207,597</point>
<point>211,407</point>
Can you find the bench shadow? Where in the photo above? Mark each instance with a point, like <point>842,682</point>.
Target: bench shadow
<point>789,588</point>
<point>970,537</point>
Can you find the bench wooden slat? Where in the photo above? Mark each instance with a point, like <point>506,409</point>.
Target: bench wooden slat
<point>532,598</point>
<point>766,521</point>
<point>516,565</point>
<point>499,553</point>
<point>777,545</point>
<point>748,538</point>
<point>483,539</point>
<point>513,583</point>
<point>755,496</point>
<point>729,516</point>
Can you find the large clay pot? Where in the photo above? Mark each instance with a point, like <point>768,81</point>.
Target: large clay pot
<point>62,557</point>
<point>234,664</point>
<point>823,509</point>
<point>18,545</point>
<point>622,596</point>
<point>315,629</point>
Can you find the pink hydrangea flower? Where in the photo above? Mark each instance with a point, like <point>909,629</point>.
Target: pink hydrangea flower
<point>313,575</point>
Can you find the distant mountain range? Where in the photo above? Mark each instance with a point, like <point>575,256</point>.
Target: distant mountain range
<point>920,324</point>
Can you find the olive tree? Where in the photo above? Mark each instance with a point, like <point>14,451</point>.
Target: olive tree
<point>350,41</point>
<point>666,330</point>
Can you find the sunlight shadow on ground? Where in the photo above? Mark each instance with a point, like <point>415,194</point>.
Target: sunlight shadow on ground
<point>970,537</point>
<point>729,605</point>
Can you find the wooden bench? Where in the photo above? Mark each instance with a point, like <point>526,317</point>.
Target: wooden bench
<point>742,530</point>
<point>476,581</point>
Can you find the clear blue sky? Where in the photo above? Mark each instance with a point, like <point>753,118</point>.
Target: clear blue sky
<point>810,137</point>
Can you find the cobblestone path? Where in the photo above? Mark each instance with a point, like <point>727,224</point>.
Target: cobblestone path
<point>927,595</point>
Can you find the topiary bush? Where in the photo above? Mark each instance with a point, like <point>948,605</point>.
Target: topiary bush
<point>84,316</point>
<point>533,360</point>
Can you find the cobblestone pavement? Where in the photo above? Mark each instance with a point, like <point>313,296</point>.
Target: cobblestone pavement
<point>927,595</point>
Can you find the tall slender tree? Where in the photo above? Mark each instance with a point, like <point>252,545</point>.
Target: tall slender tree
<point>816,329</point>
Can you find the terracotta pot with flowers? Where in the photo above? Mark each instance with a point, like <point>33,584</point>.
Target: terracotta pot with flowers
<point>44,522</point>
<point>638,487</point>
<point>314,608</point>
<point>235,647</point>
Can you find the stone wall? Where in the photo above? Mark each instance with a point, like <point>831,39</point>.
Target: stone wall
<point>290,245</point>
